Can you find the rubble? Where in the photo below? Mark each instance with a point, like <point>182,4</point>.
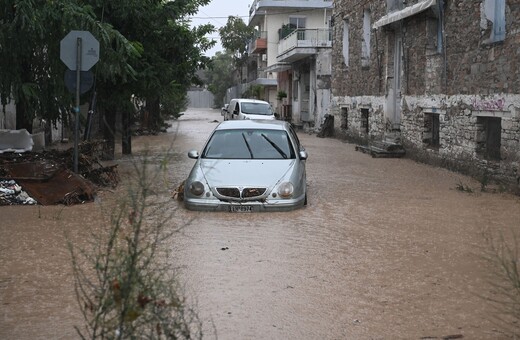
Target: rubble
<point>46,177</point>
<point>327,128</point>
<point>12,194</point>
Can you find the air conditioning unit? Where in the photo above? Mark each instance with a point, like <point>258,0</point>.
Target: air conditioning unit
<point>264,57</point>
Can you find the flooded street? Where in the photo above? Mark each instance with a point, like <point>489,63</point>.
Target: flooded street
<point>385,249</point>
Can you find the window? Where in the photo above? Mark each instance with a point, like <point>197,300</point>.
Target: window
<point>394,5</point>
<point>493,17</point>
<point>298,23</point>
<point>440,38</point>
<point>344,118</point>
<point>364,120</point>
<point>329,23</point>
<point>295,138</point>
<point>431,130</point>
<point>345,41</point>
<point>489,135</point>
<point>249,144</point>
<point>365,42</point>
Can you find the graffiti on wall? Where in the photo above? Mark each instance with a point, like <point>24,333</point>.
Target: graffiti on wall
<point>488,105</point>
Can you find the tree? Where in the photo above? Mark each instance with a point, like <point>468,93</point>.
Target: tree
<point>254,91</point>
<point>147,50</point>
<point>32,72</point>
<point>235,37</point>
<point>220,76</point>
<point>172,52</point>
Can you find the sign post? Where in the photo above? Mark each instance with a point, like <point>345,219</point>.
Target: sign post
<point>79,50</point>
<point>76,108</point>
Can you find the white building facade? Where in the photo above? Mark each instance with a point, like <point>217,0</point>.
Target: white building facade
<point>292,55</point>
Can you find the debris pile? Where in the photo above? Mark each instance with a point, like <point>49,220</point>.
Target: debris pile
<point>12,194</point>
<point>382,150</point>
<point>47,178</point>
<point>327,128</point>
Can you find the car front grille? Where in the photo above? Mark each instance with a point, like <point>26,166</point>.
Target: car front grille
<point>245,193</point>
<point>229,192</point>
<point>252,192</point>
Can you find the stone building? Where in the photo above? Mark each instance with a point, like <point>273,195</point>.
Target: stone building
<point>442,77</point>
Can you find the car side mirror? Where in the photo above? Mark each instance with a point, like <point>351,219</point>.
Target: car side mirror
<point>303,155</point>
<point>193,154</point>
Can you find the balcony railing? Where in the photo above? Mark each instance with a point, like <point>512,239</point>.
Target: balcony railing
<point>259,43</point>
<point>305,38</point>
<point>255,74</point>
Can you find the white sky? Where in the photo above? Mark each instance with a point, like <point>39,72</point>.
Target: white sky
<point>216,13</point>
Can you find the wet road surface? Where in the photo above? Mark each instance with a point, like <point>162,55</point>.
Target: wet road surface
<point>385,249</point>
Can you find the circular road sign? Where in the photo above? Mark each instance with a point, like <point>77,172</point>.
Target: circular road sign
<point>85,83</point>
<point>89,50</point>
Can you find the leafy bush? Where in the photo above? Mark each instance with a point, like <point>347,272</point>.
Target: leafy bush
<point>281,95</point>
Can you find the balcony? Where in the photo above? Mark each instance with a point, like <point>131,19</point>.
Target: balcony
<point>259,43</point>
<point>258,7</point>
<point>261,77</point>
<point>302,43</point>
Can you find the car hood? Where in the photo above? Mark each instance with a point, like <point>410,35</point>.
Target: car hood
<point>244,172</point>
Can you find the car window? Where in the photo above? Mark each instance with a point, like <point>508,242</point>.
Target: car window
<point>257,108</point>
<point>249,144</point>
<point>295,137</point>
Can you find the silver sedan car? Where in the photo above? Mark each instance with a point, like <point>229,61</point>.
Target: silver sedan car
<point>246,166</point>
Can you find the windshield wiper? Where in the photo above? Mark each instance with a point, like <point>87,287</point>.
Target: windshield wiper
<point>273,144</point>
<point>247,144</point>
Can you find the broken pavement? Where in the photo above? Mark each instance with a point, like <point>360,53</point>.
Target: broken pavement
<point>48,179</point>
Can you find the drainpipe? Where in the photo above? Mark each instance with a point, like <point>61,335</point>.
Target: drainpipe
<point>378,58</point>
<point>442,37</point>
<point>324,16</point>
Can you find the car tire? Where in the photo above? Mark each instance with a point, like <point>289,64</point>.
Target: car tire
<point>305,201</point>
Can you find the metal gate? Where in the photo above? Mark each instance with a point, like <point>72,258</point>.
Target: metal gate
<point>200,99</point>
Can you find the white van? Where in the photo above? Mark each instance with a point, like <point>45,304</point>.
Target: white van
<point>248,109</point>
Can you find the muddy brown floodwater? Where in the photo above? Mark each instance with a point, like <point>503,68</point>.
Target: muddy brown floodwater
<point>385,249</point>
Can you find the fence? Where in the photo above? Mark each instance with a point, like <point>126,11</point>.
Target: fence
<point>200,99</point>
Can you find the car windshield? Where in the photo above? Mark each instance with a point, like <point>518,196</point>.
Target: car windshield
<point>257,109</point>
<point>249,144</point>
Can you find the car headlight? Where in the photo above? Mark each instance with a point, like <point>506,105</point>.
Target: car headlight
<point>285,190</point>
<point>197,188</point>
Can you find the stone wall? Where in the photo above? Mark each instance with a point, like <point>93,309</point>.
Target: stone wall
<point>460,91</point>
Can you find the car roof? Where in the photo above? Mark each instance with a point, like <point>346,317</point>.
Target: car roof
<point>247,100</point>
<point>253,124</point>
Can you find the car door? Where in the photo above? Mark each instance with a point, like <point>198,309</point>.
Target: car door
<point>236,112</point>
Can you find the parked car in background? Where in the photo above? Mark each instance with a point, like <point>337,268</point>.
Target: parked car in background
<point>246,166</point>
<point>248,109</point>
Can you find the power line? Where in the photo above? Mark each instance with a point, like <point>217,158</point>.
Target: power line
<point>209,17</point>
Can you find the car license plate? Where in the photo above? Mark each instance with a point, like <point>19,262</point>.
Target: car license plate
<point>240,208</point>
